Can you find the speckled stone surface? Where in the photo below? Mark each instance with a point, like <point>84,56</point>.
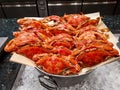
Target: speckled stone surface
<point>8,70</point>
<point>112,22</point>
<point>7,27</point>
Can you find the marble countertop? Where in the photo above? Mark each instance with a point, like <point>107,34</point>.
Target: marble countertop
<point>103,78</point>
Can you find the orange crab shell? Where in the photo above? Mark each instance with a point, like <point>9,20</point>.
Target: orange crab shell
<point>58,65</point>
<point>30,51</point>
<point>76,19</point>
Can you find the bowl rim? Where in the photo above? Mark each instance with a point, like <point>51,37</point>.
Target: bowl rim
<point>67,76</point>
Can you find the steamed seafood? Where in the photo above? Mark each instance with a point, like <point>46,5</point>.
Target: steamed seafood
<point>62,45</point>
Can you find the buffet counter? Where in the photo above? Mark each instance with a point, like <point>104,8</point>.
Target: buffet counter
<point>19,77</point>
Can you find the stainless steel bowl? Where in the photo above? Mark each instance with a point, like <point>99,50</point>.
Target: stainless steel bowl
<point>51,81</point>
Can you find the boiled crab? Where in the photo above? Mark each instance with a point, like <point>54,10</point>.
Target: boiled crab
<point>62,45</point>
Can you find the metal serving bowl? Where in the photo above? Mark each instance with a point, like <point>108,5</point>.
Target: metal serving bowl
<point>51,81</point>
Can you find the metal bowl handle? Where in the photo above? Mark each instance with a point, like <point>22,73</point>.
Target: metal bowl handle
<point>47,82</point>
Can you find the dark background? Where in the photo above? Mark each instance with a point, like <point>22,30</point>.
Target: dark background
<point>29,8</point>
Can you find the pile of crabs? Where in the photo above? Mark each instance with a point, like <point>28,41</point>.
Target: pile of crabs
<point>62,45</point>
